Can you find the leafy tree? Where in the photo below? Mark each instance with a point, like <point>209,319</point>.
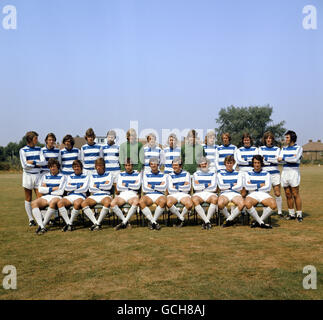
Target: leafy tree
<point>11,150</point>
<point>254,119</point>
<point>10,153</point>
<point>2,154</point>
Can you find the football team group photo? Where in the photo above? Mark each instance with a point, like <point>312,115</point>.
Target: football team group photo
<point>161,156</point>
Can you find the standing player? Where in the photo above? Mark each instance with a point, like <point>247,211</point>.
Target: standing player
<point>210,149</point>
<point>68,155</point>
<point>291,155</point>
<point>258,182</point>
<point>51,186</point>
<point>49,151</point>
<point>132,149</point>
<point>31,159</point>
<point>111,156</point>
<point>171,152</point>
<point>152,150</point>
<point>244,155</point>
<point>191,152</point>
<point>90,152</point>
<point>230,183</point>
<point>205,184</point>
<point>129,183</point>
<point>154,185</point>
<point>224,150</point>
<point>100,186</point>
<point>270,154</point>
<point>77,184</point>
<point>179,186</point>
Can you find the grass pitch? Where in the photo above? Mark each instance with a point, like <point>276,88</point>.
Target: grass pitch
<point>187,263</point>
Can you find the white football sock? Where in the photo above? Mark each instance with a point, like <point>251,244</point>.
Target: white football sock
<point>184,211</point>
<point>90,214</point>
<point>291,212</point>
<point>104,211</point>
<point>234,214</point>
<point>158,212</point>
<point>253,212</point>
<point>175,211</point>
<point>266,213</point>
<point>38,217</point>
<point>201,213</point>
<point>119,213</point>
<point>48,215</point>
<point>130,213</point>
<point>279,202</point>
<point>74,213</point>
<point>299,214</point>
<point>63,213</point>
<point>225,212</point>
<point>146,211</point>
<point>43,213</point>
<point>29,210</point>
<point>211,211</point>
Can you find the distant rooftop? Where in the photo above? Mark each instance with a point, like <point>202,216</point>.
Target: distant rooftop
<point>313,146</point>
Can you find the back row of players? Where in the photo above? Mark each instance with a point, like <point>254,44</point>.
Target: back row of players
<point>35,164</point>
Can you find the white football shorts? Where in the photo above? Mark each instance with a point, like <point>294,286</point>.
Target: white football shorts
<point>30,181</point>
<point>260,196</point>
<point>179,196</point>
<point>290,178</point>
<point>204,195</point>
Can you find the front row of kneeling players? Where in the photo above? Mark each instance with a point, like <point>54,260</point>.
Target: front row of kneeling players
<point>154,186</point>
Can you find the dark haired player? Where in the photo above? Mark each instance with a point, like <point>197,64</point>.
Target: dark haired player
<point>257,181</point>
<point>291,156</point>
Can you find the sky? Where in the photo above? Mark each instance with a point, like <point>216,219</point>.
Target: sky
<point>168,64</point>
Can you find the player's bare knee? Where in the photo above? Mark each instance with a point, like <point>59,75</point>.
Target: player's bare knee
<point>248,204</point>
<point>142,203</point>
<point>83,204</point>
<point>106,203</point>
<point>135,202</point>
<point>161,203</point>
<point>188,204</point>
<point>214,200</point>
<point>295,193</point>
<point>196,201</point>
<point>34,204</point>
<point>241,205</point>
<point>113,203</point>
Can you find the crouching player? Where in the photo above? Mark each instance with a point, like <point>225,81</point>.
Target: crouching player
<point>230,183</point>
<point>51,186</point>
<point>128,184</point>
<point>258,182</point>
<point>100,186</point>
<point>76,186</point>
<point>154,186</point>
<point>205,184</point>
<point>179,186</point>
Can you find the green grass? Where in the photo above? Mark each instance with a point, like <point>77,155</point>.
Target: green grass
<point>188,263</point>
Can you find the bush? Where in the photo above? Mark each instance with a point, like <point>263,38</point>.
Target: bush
<point>4,166</point>
<point>318,162</point>
<point>306,161</point>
